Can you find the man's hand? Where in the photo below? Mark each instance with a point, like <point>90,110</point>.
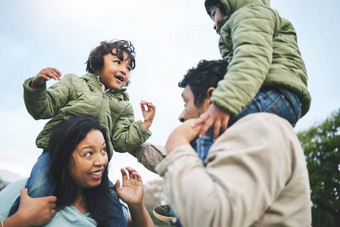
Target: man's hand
<point>36,211</point>
<point>45,75</point>
<point>183,134</point>
<point>148,110</point>
<point>215,117</point>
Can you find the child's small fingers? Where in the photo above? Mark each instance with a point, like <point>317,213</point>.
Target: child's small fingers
<point>202,119</point>
<point>56,71</point>
<point>225,124</point>
<point>54,75</point>
<point>151,106</point>
<point>207,124</point>
<point>217,127</point>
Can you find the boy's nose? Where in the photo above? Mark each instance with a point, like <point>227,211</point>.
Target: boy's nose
<point>124,70</point>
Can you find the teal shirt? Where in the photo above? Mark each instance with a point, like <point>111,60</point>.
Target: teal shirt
<point>68,216</point>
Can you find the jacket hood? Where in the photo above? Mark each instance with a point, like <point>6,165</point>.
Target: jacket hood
<point>233,5</point>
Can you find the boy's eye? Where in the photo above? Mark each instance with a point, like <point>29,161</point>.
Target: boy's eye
<point>104,150</point>
<point>117,61</point>
<point>129,69</point>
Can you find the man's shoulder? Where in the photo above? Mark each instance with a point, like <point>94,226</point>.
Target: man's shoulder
<point>259,128</point>
<point>263,120</point>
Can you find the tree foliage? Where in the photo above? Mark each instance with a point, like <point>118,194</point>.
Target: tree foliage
<point>321,145</point>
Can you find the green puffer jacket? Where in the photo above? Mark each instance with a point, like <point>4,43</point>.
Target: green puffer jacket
<point>262,51</point>
<point>73,95</point>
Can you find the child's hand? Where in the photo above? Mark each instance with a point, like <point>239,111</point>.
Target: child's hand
<point>215,117</point>
<point>148,110</point>
<point>132,190</point>
<point>45,75</point>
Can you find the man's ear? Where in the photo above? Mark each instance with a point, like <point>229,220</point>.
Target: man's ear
<point>210,91</point>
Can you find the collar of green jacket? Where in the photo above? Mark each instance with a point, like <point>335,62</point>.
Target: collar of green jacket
<point>93,79</point>
<point>233,5</point>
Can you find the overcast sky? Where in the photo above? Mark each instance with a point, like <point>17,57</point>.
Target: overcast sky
<point>170,37</point>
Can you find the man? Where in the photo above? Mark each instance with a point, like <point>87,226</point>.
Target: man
<point>198,84</point>
<point>253,175</point>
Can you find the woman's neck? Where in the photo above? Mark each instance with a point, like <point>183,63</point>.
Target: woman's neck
<point>80,204</point>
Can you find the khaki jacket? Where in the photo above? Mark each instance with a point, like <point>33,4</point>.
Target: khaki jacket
<point>84,95</point>
<point>255,175</point>
<point>262,51</point>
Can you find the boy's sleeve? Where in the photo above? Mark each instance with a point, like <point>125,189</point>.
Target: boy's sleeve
<point>44,103</point>
<point>252,31</point>
<point>127,133</point>
<point>149,155</point>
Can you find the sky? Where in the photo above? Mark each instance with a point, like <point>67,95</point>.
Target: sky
<point>170,36</point>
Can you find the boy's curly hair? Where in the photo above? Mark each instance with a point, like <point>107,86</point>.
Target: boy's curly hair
<point>211,3</point>
<point>95,61</point>
<point>207,74</point>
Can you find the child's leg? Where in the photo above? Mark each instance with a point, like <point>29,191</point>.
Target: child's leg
<point>203,144</point>
<point>38,184</point>
<point>279,101</point>
<point>114,209</point>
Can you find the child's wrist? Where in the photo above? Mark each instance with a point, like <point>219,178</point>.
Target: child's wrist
<point>34,85</point>
<point>146,125</point>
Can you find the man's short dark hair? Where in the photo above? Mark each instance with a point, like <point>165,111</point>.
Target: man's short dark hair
<point>95,61</point>
<point>206,74</point>
<point>211,3</point>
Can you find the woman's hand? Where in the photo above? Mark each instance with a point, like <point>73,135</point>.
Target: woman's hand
<point>45,75</point>
<point>131,191</point>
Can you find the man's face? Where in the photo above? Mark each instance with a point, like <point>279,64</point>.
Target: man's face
<point>190,110</point>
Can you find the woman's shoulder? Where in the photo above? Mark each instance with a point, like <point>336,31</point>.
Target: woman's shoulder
<point>8,195</point>
<point>70,216</point>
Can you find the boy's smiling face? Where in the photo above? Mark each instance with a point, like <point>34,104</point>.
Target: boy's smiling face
<point>216,15</point>
<point>115,72</point>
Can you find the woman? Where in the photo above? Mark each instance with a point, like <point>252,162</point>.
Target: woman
<point>79,156</point>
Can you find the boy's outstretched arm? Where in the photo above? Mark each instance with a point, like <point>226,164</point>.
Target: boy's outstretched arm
<point>45,75</point>
<point>149,111</point>
<point>215,117</point>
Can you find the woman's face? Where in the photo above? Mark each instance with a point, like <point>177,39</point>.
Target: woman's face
<point>89,160</point>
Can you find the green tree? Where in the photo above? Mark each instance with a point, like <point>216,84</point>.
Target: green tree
<point>321,145</point>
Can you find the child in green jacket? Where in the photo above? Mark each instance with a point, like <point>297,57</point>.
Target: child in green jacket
<point>101,92</point>
<point>265,68</point>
